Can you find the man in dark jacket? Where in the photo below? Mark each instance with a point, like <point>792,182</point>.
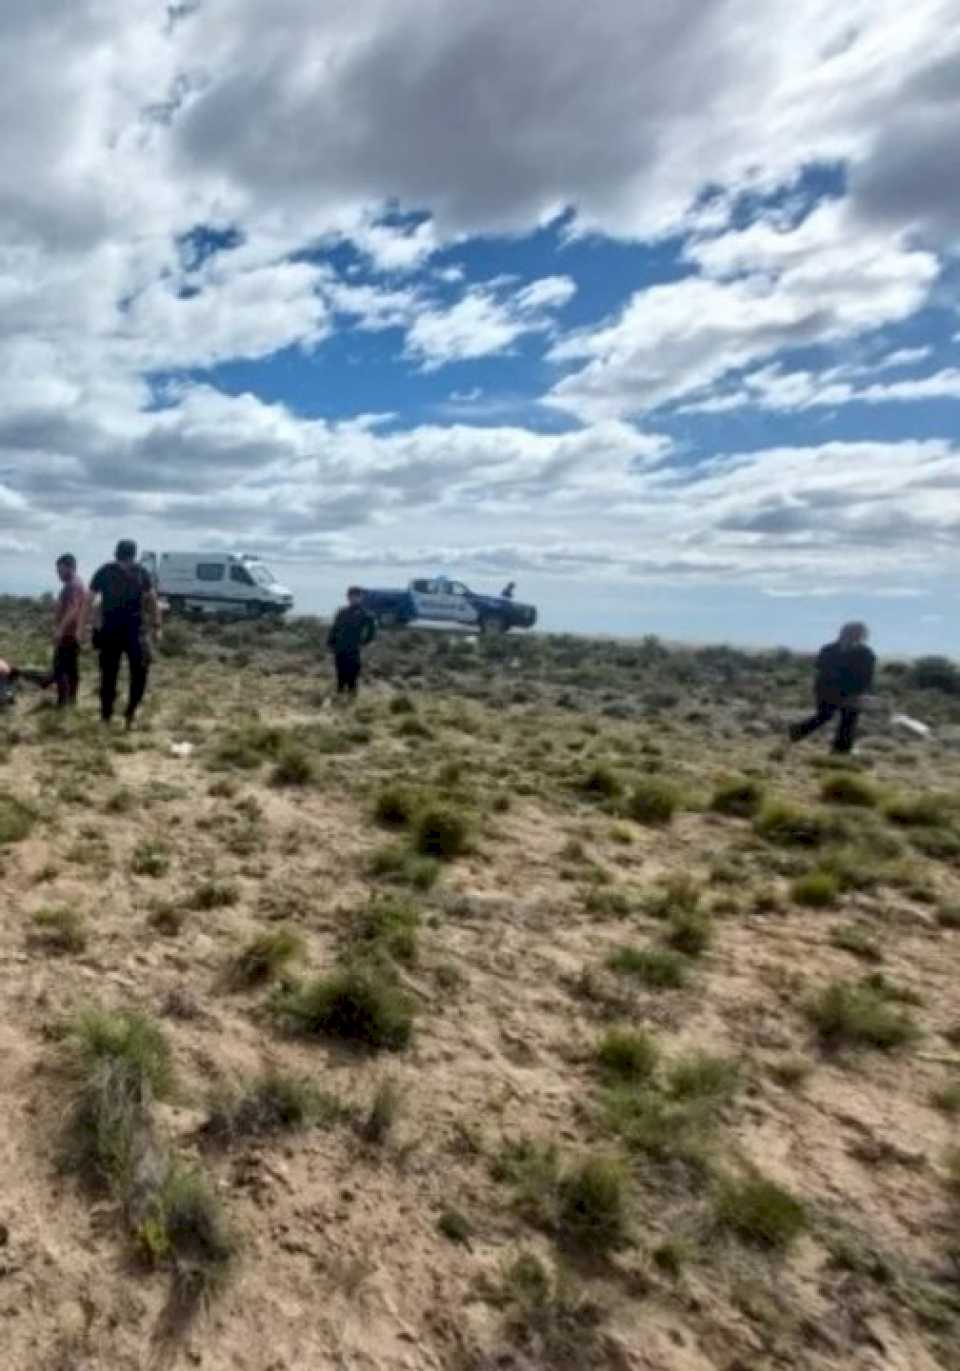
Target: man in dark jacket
<point>844,674</point>
<point>352,629</point>
<point>125,593</point>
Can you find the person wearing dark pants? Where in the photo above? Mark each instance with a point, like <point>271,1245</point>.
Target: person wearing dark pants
<point>124,591</point>
<point>352,629</point>
<point>113,647</point>
<point>65,671</point>
<point>845,670</point>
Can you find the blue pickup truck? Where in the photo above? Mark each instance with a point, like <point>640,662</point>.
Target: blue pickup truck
<point>439,601</point>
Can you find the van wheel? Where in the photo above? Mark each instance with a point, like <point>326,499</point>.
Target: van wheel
<point>254,609</point>
<point>493,623</point>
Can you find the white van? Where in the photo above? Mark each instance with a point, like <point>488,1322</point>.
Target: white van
<point>217,583</point>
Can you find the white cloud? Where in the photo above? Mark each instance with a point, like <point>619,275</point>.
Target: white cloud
<point>482,322</point>
<point>758,291</point>
<point>771,388</point>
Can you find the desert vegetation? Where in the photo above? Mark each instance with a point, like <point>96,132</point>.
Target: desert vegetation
<point>540,1010</point>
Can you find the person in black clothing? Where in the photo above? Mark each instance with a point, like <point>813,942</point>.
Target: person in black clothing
<point>507,591</point>
<point>126,596</point>
<point>844,674</point>
<point>352,629</point>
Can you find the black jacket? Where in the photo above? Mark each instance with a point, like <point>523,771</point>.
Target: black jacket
<point>844,672</point>
<point>351,630</point>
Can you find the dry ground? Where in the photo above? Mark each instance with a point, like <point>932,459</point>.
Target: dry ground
<point>359,1253</point>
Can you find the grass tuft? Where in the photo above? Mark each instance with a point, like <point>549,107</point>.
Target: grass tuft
<point>658,968</point>
<point>389,926</point>
<point>360,1004</point>
<point>740,798</point>
<point>266,956</point>
<point>690,932</point>
<point>704,1077</point>
<point>395,806</point>
<point>213,895</point>
<point>400,866</point>
<point>652,801</point>
<point>16,819</point>
<point>847,788</point>
<point>59,931</point>
<point>383,1112</point>
<point>760,1212</point>
<point>186,1228</point>
<point>600,781</point>
<point>920,811</point>
<point>848,1015</point>
<point>815,890</point>
<point>593,1204</point>
<point>627,1054</point>
<point>293,767</point>
<point>441,831</point>
<point>789,825</point>
<point>273,1103</point>
<point>857,940</point>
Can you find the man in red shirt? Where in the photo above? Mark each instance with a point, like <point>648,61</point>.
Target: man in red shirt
<point>65,673</point>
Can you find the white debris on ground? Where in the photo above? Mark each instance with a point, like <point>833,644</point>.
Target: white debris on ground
<point>906,724</point>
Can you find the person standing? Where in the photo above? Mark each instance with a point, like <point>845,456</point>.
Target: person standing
<point>65,672</point>
<point>845,670</point>
<point>125,594</point>
<point>352,629</point>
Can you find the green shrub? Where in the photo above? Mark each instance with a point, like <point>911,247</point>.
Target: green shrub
<point>947,1099</point>
<point>789,825</point>
<point>395,806</point>
<point>759,1211</point>
<point>266,955</point>
<point>441,831</point>
<point>661,1129</point>
<point>701,1076</point>
<point>658,968</point>
<point>691,931</point>
<point>60,930</point>
<point>400,866</point>
<point>16,819</point>
<point>652,801</point>
<point>853,938</point>
<point>609,901</point>
<point>382,1114</point>
<point>627,1053</point>
<point>847,788</point>
<point>213,895</point>
<point>948,916</point>
<point>412,727</point>
<point>150,858</point>
<point>120,1063</point>
<point>940,844</point>
<point>601,781</point>
<point>920,811</point>
<point>816,890</point>
<point>859,1016</point>
<point>361,1004</point>
<point>186,1227</point>
<point>739,798</point>
<point>592,1211</point>
<point>274,1103</point>
<point>455,1226</point>
<point>402,704</point>
<point>680,894</point>
<point>389,926</point>
<point>293,767</point>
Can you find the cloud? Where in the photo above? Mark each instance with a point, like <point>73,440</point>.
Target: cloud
<point>757,291</point>
<point>771,388</point>
<point>482,322</point>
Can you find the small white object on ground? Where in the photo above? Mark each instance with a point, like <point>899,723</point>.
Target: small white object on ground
<point>908,725</point>
<point>183,750</point>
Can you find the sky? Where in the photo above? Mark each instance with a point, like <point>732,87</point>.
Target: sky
<point>653,309</point>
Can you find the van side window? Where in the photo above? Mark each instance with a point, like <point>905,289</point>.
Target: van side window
<point>210,571</point>
<point>241,574</point>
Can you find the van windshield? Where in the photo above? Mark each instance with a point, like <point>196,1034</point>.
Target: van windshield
<point>262,575</point>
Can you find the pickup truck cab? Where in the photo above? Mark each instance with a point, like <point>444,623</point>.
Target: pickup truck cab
<point>442,601</point>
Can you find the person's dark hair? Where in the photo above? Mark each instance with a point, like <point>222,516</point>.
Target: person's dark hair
<point>67,559</point>
<point>126,550</point>
<point>354,590</point>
